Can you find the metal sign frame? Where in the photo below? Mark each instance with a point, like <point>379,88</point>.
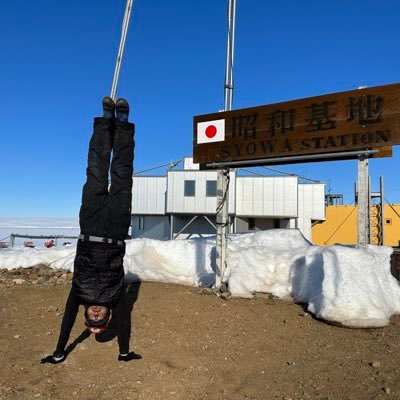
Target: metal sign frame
<point>361,119</point>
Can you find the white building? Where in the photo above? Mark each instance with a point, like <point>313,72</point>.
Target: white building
<point>183,203</point>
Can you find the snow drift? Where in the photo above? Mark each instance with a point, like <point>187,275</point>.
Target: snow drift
<point>340,284</point>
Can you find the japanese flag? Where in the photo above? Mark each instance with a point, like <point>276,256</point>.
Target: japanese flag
<point>211,131</point>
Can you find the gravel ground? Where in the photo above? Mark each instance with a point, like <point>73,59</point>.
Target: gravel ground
<point>193,344</point>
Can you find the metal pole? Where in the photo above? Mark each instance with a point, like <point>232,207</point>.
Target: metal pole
<point>125,24</point>
<point>222,217</point>
<point>279,160</point>
<point>230,48</point>
<point>363,203</point>
<point>208,220</point>
<point>222,228</point>
<point>186,225</point>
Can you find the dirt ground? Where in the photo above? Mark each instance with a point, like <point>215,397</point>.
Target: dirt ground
<point>194,345</point>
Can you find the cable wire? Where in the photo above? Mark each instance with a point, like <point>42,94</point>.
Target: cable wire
<point>391,206</point>
<point>288,173</point>
<point>221,204</point>
<point>330,237</point>
<point>171,164</point>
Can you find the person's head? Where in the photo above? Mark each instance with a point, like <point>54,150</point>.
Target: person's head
<point>97,318</point>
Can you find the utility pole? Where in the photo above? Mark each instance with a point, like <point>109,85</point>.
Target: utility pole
<point>222,217</point>
<point>363,203</point>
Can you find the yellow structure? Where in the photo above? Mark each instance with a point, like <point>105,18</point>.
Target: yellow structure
<point>340,226</point>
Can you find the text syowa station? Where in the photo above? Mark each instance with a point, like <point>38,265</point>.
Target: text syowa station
<point>359,119</point>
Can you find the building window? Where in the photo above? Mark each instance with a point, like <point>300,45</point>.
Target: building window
<point>277,223</point>
<point>190,189</point>
<point>141,223</point>
<point>388,221</point>
<point>252,224</point>
<point>211,188</point>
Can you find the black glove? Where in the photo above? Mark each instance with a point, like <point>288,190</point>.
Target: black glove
<point>54,359</point>
<point>130,356</point>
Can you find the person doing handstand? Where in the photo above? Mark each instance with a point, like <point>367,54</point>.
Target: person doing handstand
<point>104,219</point>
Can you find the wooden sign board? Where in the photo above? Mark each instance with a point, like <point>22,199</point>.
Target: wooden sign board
<point>355,120</point>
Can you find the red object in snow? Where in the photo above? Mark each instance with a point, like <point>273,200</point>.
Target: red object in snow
<point>49,244</point>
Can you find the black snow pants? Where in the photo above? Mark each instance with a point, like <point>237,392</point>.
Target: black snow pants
<point>106,210</point>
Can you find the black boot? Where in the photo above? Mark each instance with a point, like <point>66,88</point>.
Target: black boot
<point>108,108</point>
<point>122,110</point>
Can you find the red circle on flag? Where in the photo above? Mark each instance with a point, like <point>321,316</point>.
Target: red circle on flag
<point>211,131</point>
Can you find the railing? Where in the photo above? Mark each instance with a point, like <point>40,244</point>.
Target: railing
<point>53,237</point>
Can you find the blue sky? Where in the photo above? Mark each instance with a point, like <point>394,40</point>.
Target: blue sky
<point>57,62</point>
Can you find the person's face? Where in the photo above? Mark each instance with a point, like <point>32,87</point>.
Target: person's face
<point>96,313</point>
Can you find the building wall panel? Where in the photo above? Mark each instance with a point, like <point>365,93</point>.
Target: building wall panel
<point>178,203</point>
<point>148,195</point>
<point>312,200</point>
<point>266,196</point>
<point>340,226</point>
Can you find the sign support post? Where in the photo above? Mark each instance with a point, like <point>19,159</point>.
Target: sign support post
<point>222,217</point>
<point>363,203</point>
<point>222,220</point>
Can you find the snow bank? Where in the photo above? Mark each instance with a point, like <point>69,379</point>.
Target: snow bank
<point>340,284</point>
<point>187,262</point>
<point>262,261</point>
<point>347,285</point>
<point>26,257</point>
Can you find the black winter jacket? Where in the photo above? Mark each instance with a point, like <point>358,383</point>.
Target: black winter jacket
<point>98,273</point>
